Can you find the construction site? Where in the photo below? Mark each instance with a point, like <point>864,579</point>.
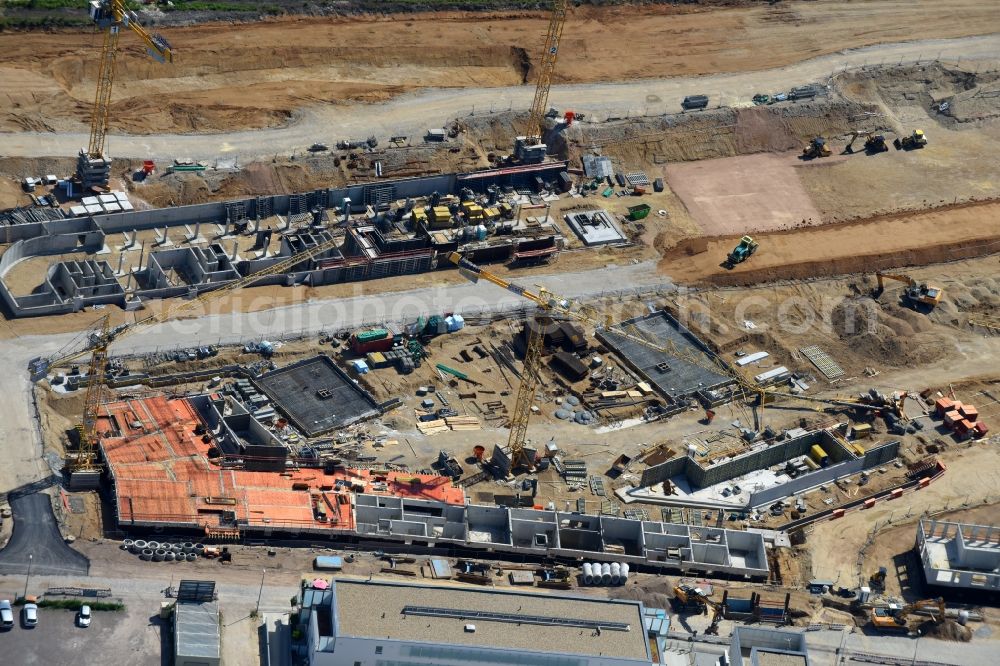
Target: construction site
<point>705,340</point>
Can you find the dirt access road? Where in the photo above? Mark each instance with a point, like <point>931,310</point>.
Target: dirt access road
<point>305,73</point>
<point>945,234</point>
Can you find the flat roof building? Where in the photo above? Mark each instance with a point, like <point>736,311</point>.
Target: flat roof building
<point>197,637</point>
<point>959,555</point>
<point>375,622</point>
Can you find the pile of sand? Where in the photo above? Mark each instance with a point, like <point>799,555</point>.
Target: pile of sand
<point>890,335</point>
<point>949,630</point>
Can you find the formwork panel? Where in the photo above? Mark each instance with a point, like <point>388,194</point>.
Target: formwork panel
<point>672,376</point>
<point>294,389</point>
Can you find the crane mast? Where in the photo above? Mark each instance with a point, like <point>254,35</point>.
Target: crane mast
<point>93,166</point>
<point>557,20</point>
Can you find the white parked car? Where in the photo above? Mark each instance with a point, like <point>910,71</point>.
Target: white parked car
<point>83,617</point>
<point>6,614</point>
<point>30,615</point>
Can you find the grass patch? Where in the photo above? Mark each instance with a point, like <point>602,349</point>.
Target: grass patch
<point>31,22</point>
<point>204,6</point>
<point>77,604</point>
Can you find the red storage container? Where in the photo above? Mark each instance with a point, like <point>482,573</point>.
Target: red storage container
<point>969,413</point>
<point>944,405</point>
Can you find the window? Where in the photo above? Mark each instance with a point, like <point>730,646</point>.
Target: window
<point>378,649</point>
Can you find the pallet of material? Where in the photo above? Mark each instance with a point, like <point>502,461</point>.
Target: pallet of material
<point>463,423</point>
<point>522,577</point>
<point>432,427</point>
<point>398,570</point>
<point>478,579</point>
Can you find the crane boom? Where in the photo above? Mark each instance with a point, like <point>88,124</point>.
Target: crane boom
<point>557,20</point>
<point>558,306</point>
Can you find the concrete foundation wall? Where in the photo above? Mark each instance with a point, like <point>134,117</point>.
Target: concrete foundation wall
<point>61,236</point>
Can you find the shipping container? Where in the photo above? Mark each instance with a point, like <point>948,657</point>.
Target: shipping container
<point>819,455</point>
<point>328,563</point>
<point>944,405</point>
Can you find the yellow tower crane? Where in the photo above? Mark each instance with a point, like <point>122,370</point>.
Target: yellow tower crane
<point>558,307</point>
<point>84,466</point>
<point>94,167</point>
<point>557,20</point>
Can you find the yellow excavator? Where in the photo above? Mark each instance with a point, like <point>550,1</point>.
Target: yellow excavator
<point>693,597</point>
<point>916,295</point>
<point>874,143</point>
<point>894,618</point>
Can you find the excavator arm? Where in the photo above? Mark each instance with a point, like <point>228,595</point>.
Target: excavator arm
<point>882,277</point>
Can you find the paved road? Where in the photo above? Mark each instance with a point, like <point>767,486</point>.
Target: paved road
<point>36,535</point>
<point>412,114</point>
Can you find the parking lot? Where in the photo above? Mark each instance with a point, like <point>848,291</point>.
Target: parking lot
<point>129,637</point>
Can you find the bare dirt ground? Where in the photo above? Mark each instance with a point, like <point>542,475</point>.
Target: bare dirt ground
<point>259,74</point>
<point>903,239</point>
<point>834,544</point>
<point>743,194</point>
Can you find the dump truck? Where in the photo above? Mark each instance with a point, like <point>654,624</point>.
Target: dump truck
<point>741,252</point>
<point>816,148</point>
<point>912,142</point>
<point>695,102</point>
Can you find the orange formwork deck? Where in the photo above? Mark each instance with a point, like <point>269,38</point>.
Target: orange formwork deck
<point>162,475</point>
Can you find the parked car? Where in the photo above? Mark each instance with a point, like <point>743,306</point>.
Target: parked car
<point>83,617</point>
<point>30,615</point>
<point>6,614</point>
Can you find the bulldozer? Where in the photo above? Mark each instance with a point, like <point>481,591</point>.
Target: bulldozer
<point>894,618</point>
<point>874,143</point>
<point>816,148</point>
<point>877,580</point>
<point>917,296</point>
<point>912,142</point>
<point>741,252</point>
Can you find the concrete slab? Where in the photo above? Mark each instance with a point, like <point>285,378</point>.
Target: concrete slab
<point>671,376</point>
<point>594,227</point>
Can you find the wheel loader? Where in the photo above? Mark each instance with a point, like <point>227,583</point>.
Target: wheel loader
<point>742,252</point>
<point>913,142</point>
<point>816,148</point>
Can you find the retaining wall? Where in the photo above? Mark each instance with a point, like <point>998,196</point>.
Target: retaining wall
<point>823,475</point>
